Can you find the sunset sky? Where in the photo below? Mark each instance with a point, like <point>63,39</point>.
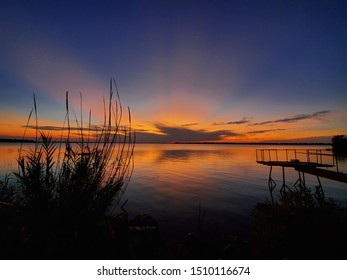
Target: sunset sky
<point>189,70</point>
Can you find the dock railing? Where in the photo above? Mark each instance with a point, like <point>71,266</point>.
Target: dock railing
<point>313,156</point>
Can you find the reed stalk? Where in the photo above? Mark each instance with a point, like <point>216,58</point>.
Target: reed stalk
<point>76,178</point>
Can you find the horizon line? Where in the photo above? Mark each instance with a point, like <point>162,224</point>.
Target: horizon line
<point>270,142</point>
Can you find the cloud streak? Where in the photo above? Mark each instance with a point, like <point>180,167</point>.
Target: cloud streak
<point>242,121</point>
<point>264,131</point>
<point>296,118</point>
<point>183,134</point>
<point>190,124</point>
<point>94,128</point>
<point>62,128</point>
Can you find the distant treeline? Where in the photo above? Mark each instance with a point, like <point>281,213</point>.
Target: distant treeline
<point>10,140</point>
<point>13,140</point>
<point>339,143</point>
<point>254,143</point>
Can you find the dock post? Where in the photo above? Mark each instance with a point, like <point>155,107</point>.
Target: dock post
<point>337,163</point>
<point>319,193</point>
<point>300,183</point>
<point>271,184</point>
<point>284,186</point>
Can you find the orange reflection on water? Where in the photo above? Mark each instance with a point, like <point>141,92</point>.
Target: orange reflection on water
<point>8,157</point>
<point>175,166</point>
<point>177,184</point>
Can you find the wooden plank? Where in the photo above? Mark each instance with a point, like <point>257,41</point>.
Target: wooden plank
<point>333,175</point>
<point>294,164</point>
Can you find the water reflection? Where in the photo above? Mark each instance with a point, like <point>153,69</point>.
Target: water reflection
<point>178,183</point>
<point>171,182</point>
<point>8,158</point>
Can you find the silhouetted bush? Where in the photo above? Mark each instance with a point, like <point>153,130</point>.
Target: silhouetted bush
<point>300,226</point>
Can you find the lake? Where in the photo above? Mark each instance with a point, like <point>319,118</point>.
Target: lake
<point>210,188</point>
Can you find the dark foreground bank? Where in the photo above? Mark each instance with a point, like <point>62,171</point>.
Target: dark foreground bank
<point>298,226</point>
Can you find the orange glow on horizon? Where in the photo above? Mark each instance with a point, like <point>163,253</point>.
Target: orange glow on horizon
<point>242,134</point>
<point>179,119</point>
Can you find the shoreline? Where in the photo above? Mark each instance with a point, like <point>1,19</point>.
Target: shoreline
<point>14,140</point>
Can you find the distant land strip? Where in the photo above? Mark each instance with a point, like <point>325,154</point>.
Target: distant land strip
<point>14,140</point>
<point>258,143</point>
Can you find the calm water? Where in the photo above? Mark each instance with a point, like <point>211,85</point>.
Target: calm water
<point>190,187</point>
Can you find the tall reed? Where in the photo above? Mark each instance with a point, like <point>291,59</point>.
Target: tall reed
<point>83,176</point>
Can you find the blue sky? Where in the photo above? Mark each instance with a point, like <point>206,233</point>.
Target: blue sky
<point>189,70</point>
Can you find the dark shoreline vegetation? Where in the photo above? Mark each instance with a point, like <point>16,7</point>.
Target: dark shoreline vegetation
<point>60,209</point>
<point>14,140</point>
<point>339,143</point>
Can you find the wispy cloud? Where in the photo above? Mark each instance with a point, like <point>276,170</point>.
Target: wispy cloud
<point>242,121</point>
<point>142,130</point>
<point>264,131</point>
<point>61,128</point>
<point>45,127</point>
<point>296,118</point>
<point>96,128</point>
<point>190,124</point>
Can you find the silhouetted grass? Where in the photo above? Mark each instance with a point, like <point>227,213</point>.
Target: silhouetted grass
<point>58,205</point>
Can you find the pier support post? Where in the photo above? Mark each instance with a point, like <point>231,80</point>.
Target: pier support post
<point>284,186</point>
<point>271,184</point>
<point>319,193</point>
<point>300,183</point>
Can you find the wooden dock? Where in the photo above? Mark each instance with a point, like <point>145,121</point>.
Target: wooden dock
<point>320,163</point>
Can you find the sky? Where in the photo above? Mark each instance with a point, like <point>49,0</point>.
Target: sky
<point>229,71</point>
